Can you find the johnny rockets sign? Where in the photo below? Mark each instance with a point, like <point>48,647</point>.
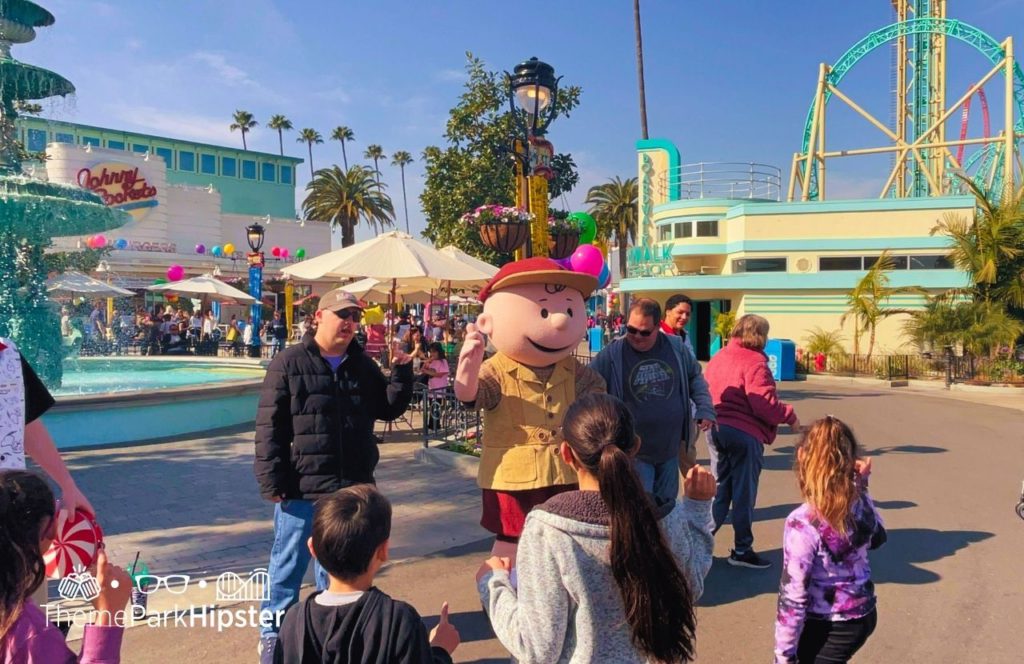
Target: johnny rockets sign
<point>120,186</point>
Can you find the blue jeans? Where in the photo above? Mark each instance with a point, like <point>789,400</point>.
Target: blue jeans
<point>660,479</point>
<point>277,346</point>
<point>740,459</point>
<point>289,558</point>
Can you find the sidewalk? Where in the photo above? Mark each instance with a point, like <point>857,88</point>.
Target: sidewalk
<point>192,507</point>
<point>1002,397</point>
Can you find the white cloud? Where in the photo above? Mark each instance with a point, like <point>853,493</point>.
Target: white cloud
<point>170,123</point>
<point>227,72</point>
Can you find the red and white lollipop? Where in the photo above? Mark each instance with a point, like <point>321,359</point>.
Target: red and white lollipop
<point>78,537</point>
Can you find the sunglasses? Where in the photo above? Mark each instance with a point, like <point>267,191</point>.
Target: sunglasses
<point>346,314</point>
<point>643,333</point>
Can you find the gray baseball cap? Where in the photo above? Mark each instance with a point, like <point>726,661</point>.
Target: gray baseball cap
<point>338,299</point>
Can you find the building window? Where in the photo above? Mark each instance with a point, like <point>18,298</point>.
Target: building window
<point>286,174</point>
<point>930,263</point>
<point>683,229</point>
<point>36,140</point>
<point>186,161</point>
<point>91,140</point>
<point>208,164</point>
<point>741,265</point>
<point>64,138</point>
<point>897,262</point>
<point>115,145</point>
<point>229,167</point>
<point>268,172</point>
<point>707,228</point>
<point>248,169</point>
<point>138,147</point>
<point>828,263</point>
<point>664,233</point>
<point>167,155</point>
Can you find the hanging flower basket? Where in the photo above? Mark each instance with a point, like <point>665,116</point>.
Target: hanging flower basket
<point>504,237</point>
<point>561,244</point>
<point>503,229</point>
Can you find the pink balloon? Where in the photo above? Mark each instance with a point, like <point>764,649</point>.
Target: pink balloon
<point>276,251</point>
<point>587,259</point>
<point>284,252</point>
<point>100,241</point>
<point>175,272</point>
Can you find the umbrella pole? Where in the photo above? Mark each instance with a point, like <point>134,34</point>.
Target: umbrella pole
<point>448,303</point>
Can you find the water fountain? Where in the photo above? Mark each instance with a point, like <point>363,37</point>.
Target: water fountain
<point>33,211</point>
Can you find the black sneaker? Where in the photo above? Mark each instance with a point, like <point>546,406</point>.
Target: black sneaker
<point>748,559</point>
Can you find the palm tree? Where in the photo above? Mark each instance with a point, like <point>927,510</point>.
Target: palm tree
<point>243,121</point>
<point>403,159</point>
<point>614,207</point>
<point>979,327</point>
<point>827,342</point>
<point>280,123</point>
<point>342,134</point>
<point>376,153</point>
<point>990,247</point>
<point>640,68</point>
<point>309,137</point>
<point>866,303</point>
<point>342,198</point>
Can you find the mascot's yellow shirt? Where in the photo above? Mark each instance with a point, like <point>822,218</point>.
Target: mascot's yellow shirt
<point>523,409</point>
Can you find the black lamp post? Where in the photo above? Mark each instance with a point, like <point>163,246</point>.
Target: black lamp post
<point>254,236</point>
<point>533,101</point>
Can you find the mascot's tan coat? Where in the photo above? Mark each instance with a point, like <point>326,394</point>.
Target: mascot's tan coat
<point>535,316</point>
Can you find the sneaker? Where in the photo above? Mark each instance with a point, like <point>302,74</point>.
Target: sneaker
<point>748,559</point>
<point>266,649</point>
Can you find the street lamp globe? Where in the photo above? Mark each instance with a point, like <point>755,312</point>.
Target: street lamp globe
<point>254,236</point>
<point>533,86</point>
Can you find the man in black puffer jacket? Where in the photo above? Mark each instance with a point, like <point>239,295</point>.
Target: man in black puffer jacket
<point>314,435</point>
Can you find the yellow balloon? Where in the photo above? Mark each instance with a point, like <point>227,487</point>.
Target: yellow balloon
<point>229,248</point>
<point>373,315</point>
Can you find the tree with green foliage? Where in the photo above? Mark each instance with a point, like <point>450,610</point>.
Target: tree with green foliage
<point>614,207</point>
<point>979,327</point>
<point>309,137</point>
<point>990,247</point>
<point>827,342</point>
<point>376,153</point>
<point>244,122</point>
<point>280,124</point>
<point>476,165</point>
<point>343,198</point>
<point>867,302</point>
<point>343,134</point>
<point>403,159</point>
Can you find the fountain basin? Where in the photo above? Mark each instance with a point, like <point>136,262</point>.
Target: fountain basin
<point>127,400</point>
<point>54,209</point>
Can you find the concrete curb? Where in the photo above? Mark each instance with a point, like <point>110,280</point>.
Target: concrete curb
<point>915,384</point>
<point>464,464</point>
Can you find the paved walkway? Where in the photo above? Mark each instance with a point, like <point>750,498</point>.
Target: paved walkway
<point>947,476</point>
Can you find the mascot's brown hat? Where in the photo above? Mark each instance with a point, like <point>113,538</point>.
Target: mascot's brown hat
<point>538,271</point>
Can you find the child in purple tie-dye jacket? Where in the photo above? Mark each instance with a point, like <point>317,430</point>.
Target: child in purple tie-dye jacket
<point>826,597</point>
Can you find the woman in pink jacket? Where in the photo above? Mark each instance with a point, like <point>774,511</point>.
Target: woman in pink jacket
<point>749,413</point>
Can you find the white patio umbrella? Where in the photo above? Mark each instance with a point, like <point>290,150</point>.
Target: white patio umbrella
<point>82,284</point>
<point>461,256</point>
<point>375,290</point>
<point>205,286</point>
<point>394,257</point>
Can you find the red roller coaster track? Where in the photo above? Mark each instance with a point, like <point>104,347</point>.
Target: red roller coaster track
<point>986,127</point>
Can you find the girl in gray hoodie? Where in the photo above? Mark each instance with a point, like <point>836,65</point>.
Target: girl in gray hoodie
<point>604,574</point>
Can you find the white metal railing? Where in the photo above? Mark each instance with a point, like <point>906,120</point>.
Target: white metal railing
<point>721,179</point>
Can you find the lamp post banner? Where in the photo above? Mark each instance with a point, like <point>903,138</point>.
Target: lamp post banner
<point>256,290</point>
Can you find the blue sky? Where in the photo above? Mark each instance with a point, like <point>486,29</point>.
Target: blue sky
<point>727,81</point>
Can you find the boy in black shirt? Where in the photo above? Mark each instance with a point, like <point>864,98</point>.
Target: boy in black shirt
<point>352,621</point>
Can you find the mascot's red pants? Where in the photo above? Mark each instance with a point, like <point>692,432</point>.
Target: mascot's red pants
<point>504,512</point>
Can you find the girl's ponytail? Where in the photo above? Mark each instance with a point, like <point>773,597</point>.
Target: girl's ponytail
<point>655,594</point>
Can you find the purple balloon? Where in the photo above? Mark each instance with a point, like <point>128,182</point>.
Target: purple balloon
<point>200,248</point>
<point>587,259</point>
<point>564,262</point>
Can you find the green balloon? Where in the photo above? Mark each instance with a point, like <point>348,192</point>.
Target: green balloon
<point>159,281</point>
<point>588,227</point>
<point>300,253</point>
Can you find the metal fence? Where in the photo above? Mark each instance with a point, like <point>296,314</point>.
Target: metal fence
<point>445,418</point>
<point>952,369</point>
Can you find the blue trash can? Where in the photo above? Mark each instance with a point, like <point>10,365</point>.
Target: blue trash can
<point>595,337</point>
<point>781,358</point>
